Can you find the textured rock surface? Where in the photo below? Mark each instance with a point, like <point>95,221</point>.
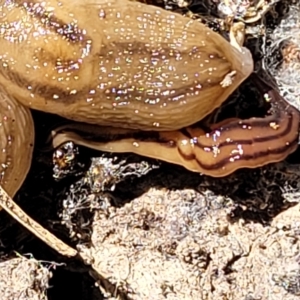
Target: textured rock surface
<point>22,278</point>
<point>167,246</point>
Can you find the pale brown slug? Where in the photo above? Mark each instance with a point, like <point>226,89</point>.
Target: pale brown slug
<point>116,63</point>
<point>133,66</point>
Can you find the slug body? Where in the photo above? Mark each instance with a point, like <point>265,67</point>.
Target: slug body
<point>116,63</point>
<point>140,68</point>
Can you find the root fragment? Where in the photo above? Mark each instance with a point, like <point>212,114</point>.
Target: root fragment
<point>15,211</point>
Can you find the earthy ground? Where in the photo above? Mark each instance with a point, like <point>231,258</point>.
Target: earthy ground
<point>150,230</point>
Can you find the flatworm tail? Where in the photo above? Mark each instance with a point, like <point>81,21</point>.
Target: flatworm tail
<point>247,143</point>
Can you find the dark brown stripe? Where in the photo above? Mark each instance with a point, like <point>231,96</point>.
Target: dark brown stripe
<point>256,124</point>
<point>69,31</point>
<point>47,91</point>
<point>247,157</point>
